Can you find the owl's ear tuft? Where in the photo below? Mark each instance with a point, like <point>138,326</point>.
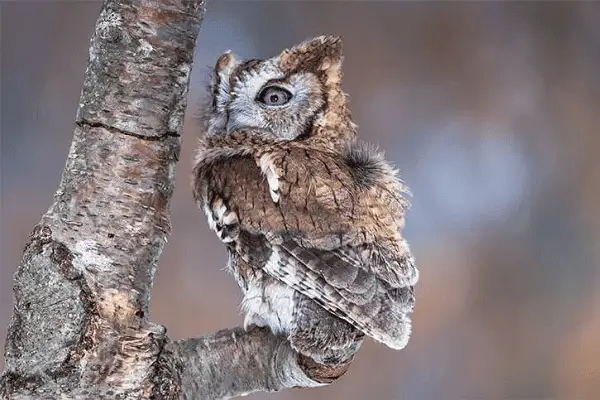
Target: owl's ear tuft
<point>216,111</point>
<point>320,55</point>
<point>225,63</point>
<point>219,80</point>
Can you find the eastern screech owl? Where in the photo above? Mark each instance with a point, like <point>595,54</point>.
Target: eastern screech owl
<point>310,215</point>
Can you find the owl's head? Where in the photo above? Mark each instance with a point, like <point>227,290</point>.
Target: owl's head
<point>296,94</point>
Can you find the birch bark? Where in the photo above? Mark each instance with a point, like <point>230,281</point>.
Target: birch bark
<point>80,326</point>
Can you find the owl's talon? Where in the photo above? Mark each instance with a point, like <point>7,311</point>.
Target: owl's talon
<point>247,324</point>
<point>251,320</point>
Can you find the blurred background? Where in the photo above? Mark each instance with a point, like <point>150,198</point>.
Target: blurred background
<point>490,109</point>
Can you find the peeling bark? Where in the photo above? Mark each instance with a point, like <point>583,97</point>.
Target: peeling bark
<point>80,326</point>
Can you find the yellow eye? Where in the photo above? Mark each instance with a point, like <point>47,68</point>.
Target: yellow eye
<point>274,96</point>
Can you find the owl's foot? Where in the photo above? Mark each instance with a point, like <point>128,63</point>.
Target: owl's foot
<point>251,320</point>
<point>224,221</point>
<point>322,336</point>
<point>268,168</point>
<point>331,349</point>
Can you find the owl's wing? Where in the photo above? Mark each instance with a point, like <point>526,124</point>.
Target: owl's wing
<point>368,285</point>
<point>361,285</point>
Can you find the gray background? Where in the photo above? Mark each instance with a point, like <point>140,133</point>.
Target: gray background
<point>492,112</point>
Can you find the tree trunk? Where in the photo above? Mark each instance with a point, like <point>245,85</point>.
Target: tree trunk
<point>80,325</point>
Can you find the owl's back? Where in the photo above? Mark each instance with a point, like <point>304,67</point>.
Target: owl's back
<point>333,236</point>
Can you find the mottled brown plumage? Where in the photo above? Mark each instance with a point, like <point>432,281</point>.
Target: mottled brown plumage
<point>311,216</point>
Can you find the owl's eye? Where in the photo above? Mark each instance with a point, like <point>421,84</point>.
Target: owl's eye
<point>274,96</point>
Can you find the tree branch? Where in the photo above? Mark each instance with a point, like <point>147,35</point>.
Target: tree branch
<point>232,363</point>
<point>80,324</point>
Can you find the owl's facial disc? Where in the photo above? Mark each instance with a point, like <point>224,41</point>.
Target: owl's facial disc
<point>262,96</point>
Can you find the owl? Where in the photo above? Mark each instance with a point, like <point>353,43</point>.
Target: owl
<point>311,216</point>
